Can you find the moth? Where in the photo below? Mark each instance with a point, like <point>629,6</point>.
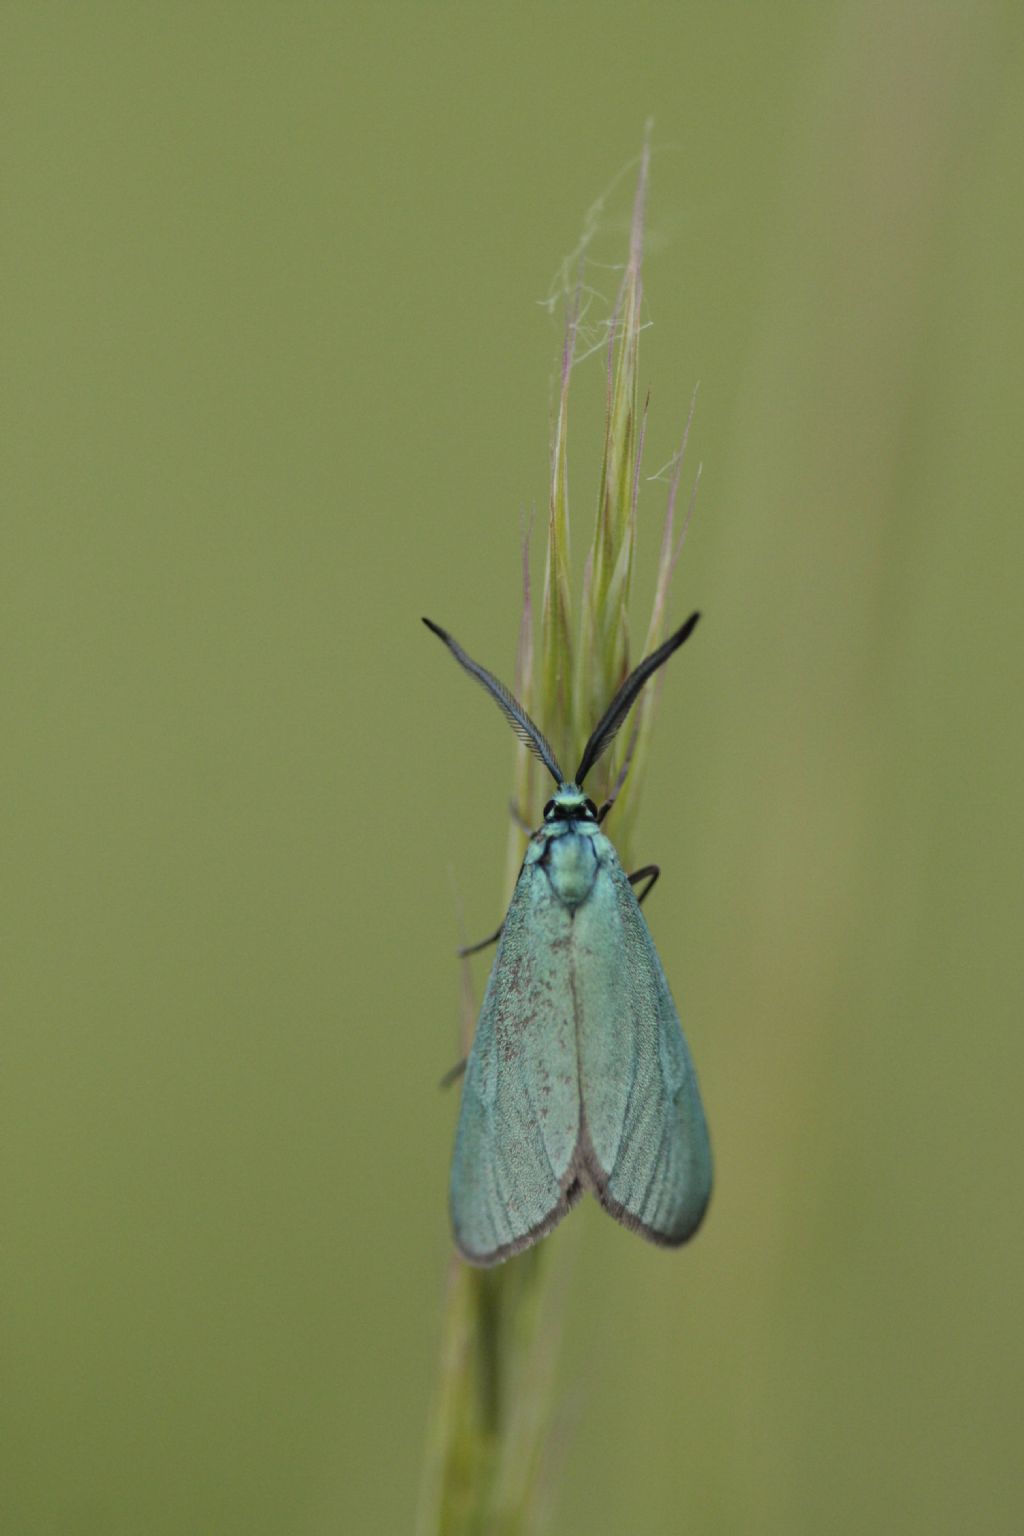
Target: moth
<point>579,1076</point>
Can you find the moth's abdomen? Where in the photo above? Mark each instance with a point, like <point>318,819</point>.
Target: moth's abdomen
<point>571,865</point>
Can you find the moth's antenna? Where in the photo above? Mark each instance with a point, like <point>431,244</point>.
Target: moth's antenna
<point>510,707</point>
<point>606,728</point>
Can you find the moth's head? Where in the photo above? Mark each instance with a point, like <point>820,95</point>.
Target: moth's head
<point>569,803</point>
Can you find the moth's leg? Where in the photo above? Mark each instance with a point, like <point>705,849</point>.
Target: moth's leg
<point>454,1073</point>
<point>614,795</point>
<point>650,873</point>
<point>519,819</point>
<point>492,938</point>
<point>616,788</point>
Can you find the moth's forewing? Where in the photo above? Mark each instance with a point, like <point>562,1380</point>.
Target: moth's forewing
<point>513,1173</point>
<point>645,1149</point>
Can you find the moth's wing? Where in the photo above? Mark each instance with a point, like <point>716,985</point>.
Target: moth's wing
<point>645,1149</point>
<point>513,1172</point>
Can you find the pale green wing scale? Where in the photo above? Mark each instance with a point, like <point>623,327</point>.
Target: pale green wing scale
<point>513,1173</point>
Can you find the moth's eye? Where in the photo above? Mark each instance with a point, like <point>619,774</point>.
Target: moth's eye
<point>590,807</point>
<point>548,809</point>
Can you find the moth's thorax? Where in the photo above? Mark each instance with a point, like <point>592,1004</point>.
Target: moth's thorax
<point>569,853</point>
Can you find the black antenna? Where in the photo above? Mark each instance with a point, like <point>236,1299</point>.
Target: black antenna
<point>605,730</point>
<point>513,711</point>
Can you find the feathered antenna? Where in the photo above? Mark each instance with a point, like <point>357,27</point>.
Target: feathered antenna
<point>607,727</point>
<point>529,734</point>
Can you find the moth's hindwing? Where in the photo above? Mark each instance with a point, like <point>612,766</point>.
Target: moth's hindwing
<point>514,1168</point>
<point>645,1149</point>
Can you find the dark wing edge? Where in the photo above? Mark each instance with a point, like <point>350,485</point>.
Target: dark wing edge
<point>570,1196</point>
<point>592,1177</point>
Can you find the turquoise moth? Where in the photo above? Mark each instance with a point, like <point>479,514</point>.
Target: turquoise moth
<point>579,1077</point>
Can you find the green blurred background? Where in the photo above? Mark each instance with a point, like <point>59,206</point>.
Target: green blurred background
<point>274,384</point>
